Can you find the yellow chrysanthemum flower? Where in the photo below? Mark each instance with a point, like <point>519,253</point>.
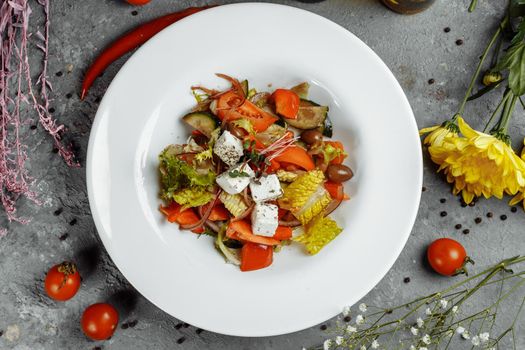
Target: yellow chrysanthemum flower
<point>438,133</point>
<point>478,164</point>
<point>520,197</point>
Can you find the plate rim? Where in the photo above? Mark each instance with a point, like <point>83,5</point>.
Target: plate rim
<point>123,70</point>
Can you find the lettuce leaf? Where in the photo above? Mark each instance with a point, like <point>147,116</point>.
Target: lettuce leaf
<point>320,232</point>
<point>192,197</point>
<point>176,174</point>
<point>306,196</point>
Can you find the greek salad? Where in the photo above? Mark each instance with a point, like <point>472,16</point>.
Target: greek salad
<point>258,172</point>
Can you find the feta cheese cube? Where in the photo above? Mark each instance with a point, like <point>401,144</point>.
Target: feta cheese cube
<point>265,219</point>
<point>228,148</point>
<point>266,188</point>
<point>233,185</point>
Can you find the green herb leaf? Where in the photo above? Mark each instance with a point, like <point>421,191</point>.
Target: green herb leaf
<point>237,173</point>
<point>514,61</point>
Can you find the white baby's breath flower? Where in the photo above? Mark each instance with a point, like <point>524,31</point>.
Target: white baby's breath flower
<point>362,347</point>
<point>428,311</point>
<point>465,335</point>
<point>475,340</point>
<point>327,345</point>
<point>414,330</point>
<point>339,340</point>
<point>484,337</point>
<point>423,348</point>
<point>426,339</point>
<point>443,303</point>
<point>362,307</point>
<point>420,322</point>
<point>346,311</point>
<point>351,329</point>
<point>412,347</point>
<point>454,309</point>
<point>460,330</point>
<point>359,319</point>
<point>449,333</point>
<point>375,344</point>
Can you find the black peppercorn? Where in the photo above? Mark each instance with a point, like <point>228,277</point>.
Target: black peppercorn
<point>458,226</point>
<point>406,279</point>
<point>443,213</point>
<point>466,231</point>
<point>477,220</point>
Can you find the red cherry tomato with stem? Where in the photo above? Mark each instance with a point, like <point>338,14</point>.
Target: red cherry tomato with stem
<point>62,281</point>
<point>99,321</point>
<point>447,257</point>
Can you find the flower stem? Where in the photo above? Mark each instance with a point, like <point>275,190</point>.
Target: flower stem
<point>472,6</point>
<point>506,96</point>
<point>480,64</point>
<point>505,123</point>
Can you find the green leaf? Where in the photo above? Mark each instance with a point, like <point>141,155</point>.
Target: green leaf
<point>517,8</point>
<point>176,174</point>
<point>520,34</point>
<point>514,61</point>
<point>237,173</point>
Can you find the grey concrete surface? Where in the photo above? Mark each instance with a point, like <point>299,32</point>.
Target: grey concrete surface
<point>416,48</point>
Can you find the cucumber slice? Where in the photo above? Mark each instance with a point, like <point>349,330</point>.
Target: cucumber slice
<point>301,90</point>
<point>203,121</point>
<point>310,115</point>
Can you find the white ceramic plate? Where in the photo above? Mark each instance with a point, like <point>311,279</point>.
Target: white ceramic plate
<point>141,114</point>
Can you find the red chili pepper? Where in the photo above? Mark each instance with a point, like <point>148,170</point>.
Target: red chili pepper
<point>130,41</point>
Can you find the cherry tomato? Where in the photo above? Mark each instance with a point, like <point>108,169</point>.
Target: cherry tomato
<point>138,2</point>
<point>62,281</point>
<point>99,321</point>
<point>447,256</point>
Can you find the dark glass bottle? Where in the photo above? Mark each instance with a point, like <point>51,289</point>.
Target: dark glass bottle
<point>408,7</point>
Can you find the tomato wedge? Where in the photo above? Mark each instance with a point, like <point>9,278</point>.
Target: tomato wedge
<point>242,231</point>
<point>336,190</point>
<point>338,159</point>
<point>298,156</point>
<point>259,118</point>
<point>282,233</point>
<point>286,103</point>
<point>255,256</point>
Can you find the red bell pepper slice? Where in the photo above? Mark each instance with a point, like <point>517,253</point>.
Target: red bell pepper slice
<point>171,212</point>
<point>219,213</point>
<point>188,217</point>
<point>259,118</point>
<point>242,231</point>
<point>283,233</point>
<point>298,156</point>
<point>286,103</point>
<point>255,256</point>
